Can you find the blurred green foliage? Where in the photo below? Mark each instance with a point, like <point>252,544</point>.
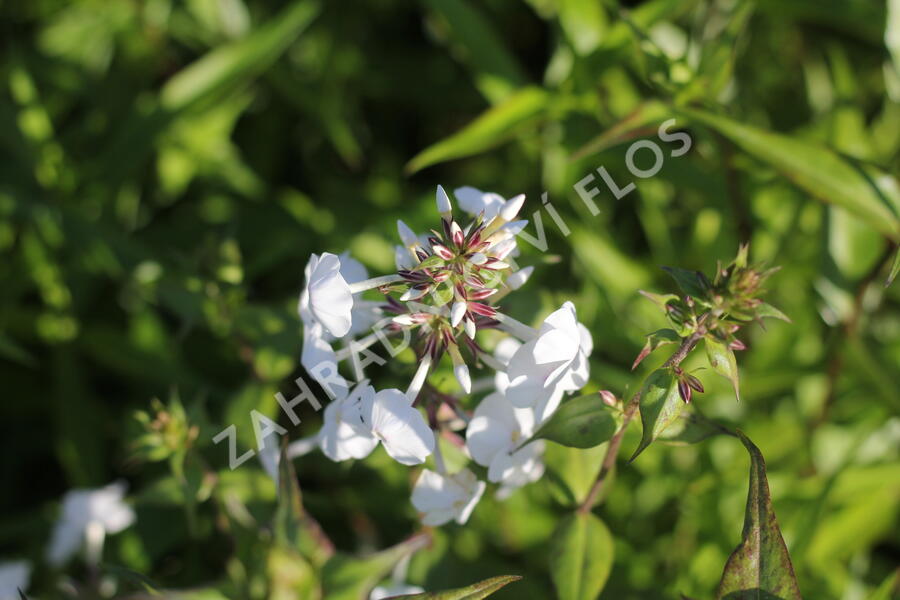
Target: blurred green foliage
<point>168,167</point>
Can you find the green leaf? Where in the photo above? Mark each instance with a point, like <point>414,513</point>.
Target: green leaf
<point>584,22</point>
<point>693,283</point>
<point>582,422</point>
<point>895,268</point>
<point>476,591</point>
<point>347,577</point>
<point>656,339</point>
<point>889,588</point>
<point>760,567</point>
<point>871,194</point>
<point>223,68</point>
<point>767,310</point>
<point>497,73</point>
<point>496,125</point>
<point>721,359</point>
<point>292,526</point>
<point>660,406</point>
<point>581,556</point>
<point>206,81</point>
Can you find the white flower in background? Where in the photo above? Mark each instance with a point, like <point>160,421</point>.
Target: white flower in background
<point>344,435</point>
<point>327,297</point>
<point>398,426</point>
<point>443,498</point>
<point>493,438</point>
<point>557,357</point>
<point>475,202</point>
<point>87,517</point>
<point>14,576</point>
<point>397,589</point>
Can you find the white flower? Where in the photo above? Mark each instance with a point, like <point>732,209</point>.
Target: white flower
<point>493,438</point>
<point>320,361</point>
<point>556,358</point>
<point>397,589</point>
<point>400,427</point>
<point>14,576</point>
<point>102,510</point>
<point>343,434</point>
<point>443,498</point>
<point>327,298</point>
<point>474,202</point>
<point>365,313</point>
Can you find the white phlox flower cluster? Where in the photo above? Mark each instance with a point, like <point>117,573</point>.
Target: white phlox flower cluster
<point>446,289</point>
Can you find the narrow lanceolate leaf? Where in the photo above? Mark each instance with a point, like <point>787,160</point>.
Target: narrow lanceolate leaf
<point>895,268</point>
<point>581,557</point>
<point>582,422</point>
<point>871,194</point>
<point>760,567</point>
<point>692,283</point>
<point>660,406</point>
<point>767,310</point>
<point>519,111</point>
<point>476,591</point>
<point>293,527</point>
<point>656,339</point>
<point>347,577</point>
<point>721,359</point>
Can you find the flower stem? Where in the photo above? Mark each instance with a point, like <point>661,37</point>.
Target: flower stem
<point>612,451</point>
<point>517,328</point>
<point>438,457</point>
<point>375,282</point>
<point>492,362</point>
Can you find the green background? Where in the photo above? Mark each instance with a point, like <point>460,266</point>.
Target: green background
<point>167,168</point>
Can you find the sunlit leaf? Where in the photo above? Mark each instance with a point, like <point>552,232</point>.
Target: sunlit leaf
<point>863,190</point>
<point>660,406</point>
<point>581,556</point>
<point>582,422</point>
<point>492,128</point>
<point>347,577</point>
<point>721,359</point>
<point>476,591</point>
<point>760,567</point>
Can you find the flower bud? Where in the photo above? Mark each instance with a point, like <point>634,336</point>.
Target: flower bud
<point>608,397</point>
<point>469,326</point>
<point>443,202</point>
<point>478,259</point>
<point>457,313</point>
<point>684,390</point>
<point>461,371</point>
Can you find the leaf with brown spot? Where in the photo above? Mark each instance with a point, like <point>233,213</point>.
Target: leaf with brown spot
<point>760,567</point>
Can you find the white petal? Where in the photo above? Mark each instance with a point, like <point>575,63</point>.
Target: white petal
<point>407,235</point>
<point>330,299</point>
<point>505,350</point>
<point>518,279</point>
<point>14,576</point>
<point>320,361</point>
<point>402,258</point>
<point>475,201</point>
<point>400,427</point>
<point>512,207</point>
<point>379,593</point>
<point>352,270</point>
<point>491,429</point>
<point>554,347</point>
